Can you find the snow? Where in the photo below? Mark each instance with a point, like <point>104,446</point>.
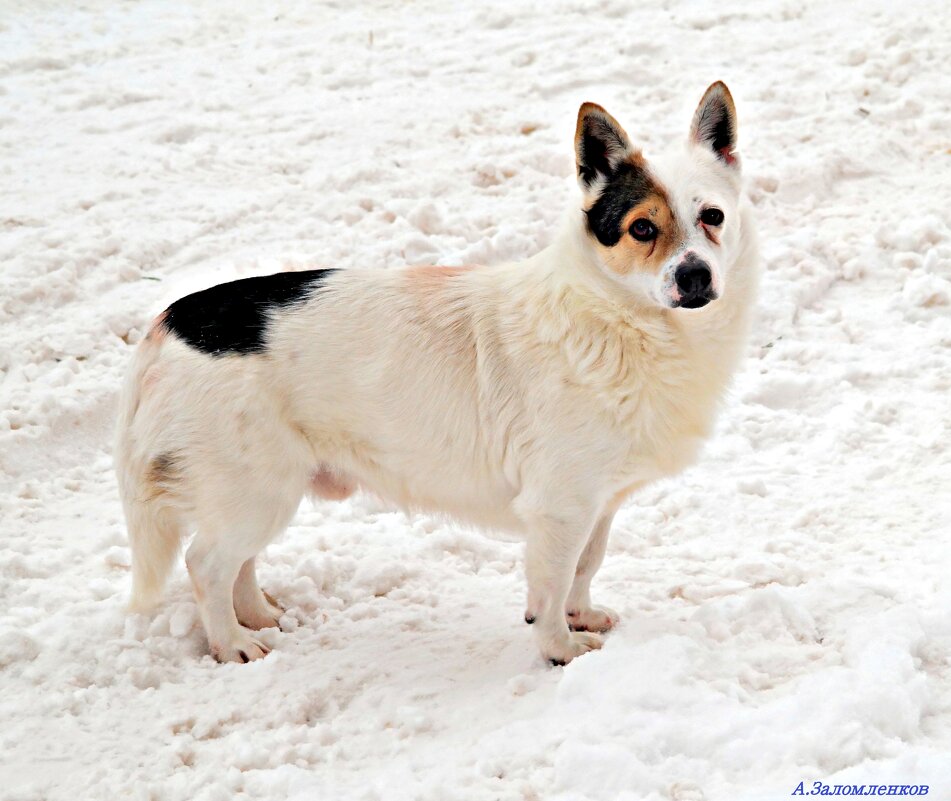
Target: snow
<point>786,606</point>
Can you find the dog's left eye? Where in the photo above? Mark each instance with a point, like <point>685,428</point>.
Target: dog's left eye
<point>643,230</point>
<point>711,217</point>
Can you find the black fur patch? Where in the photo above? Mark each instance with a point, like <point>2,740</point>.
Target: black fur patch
<point>715,126</point>
<point>599,138</point>
<point>724,137</point>
<point>627,187</point>
<point>233,318</point>
<point>593,159</point>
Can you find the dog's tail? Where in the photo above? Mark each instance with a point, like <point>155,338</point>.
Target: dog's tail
<point>146,484</point>
<point>155,536</point>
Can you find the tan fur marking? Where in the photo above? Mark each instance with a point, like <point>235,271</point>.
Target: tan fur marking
<point>162,474</point>
<point>157,330</point>
<point>433,272</point>
<point>636,159</point>
<point>434,294</point>
<point>629,255</point>
<point>162,468</point>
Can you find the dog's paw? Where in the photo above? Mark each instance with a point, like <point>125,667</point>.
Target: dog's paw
<point>575,644</point>
<point>595,618</point>
<point>267,616</point>
<point>242,648</point>
<point>264,613</point>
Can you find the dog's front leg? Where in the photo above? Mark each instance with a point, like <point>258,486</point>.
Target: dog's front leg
<point>551,555</point>
<point>582,616</point>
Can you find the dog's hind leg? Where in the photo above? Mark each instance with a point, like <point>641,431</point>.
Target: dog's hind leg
<point>582,616</point>
<point>232,528</point>
<point>253,607</point>
<point>214,566</point>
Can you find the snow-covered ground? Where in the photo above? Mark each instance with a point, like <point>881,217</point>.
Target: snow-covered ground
<point>786,603</point>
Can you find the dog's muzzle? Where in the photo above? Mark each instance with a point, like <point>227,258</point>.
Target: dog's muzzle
<point>694,281</point>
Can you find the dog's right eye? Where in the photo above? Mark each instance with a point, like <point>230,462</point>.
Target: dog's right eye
<point>643,230</point>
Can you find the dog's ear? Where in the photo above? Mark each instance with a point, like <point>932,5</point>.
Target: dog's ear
<point>714,123</point>
<point>600,145</point>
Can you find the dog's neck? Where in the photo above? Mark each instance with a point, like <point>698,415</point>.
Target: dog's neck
<point>575,300</point>
<point>573,264</point>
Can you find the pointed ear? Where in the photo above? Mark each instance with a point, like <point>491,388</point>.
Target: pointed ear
<point>600,145</point>
<point>714,123</point>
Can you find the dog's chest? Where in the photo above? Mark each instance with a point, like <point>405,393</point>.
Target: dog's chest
<point>659,394</point>
<point>667,431</point>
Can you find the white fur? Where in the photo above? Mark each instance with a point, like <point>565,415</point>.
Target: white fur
<point>532,397</point>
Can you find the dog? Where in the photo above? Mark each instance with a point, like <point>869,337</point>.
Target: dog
<point>532,397</point>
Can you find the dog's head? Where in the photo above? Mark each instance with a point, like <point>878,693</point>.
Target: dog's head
<point>663,229</point>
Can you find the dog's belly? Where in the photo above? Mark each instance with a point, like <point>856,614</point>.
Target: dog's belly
<point>480,500</point>
<point>482,503</point>
<point>331,484</point>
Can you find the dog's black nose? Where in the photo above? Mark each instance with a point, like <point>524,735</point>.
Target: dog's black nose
<point>695,283</point>
<point>693,279</point>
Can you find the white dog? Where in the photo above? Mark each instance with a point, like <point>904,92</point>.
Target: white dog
<point>533,397</point>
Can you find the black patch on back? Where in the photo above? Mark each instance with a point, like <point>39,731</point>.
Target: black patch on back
<point>627,187</point>
<point>233,318</point>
